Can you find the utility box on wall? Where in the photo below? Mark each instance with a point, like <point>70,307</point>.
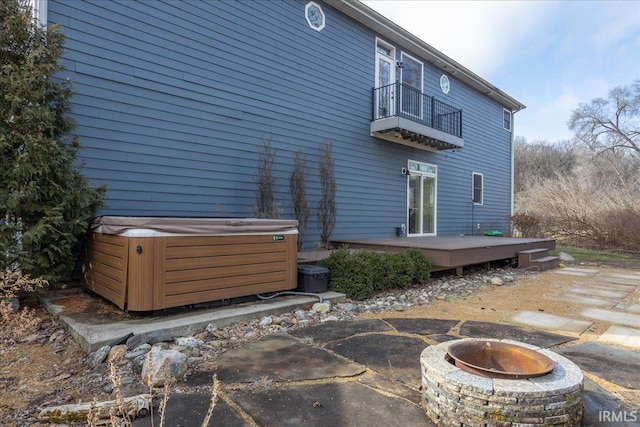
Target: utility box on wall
<point>312,278</point>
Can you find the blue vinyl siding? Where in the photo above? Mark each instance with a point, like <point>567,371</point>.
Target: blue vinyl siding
<point>173,99</point>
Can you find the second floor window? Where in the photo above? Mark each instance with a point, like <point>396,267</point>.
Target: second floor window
<point>412,72</point>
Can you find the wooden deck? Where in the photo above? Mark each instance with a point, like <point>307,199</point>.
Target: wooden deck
<point>454,252</point>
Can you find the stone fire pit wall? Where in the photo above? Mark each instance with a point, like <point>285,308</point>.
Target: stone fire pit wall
<point>452,397</point>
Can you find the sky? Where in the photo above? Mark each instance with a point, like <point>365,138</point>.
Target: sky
<point>549,55</point>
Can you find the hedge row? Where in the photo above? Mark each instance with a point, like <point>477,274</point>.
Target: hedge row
<point>359,275</point>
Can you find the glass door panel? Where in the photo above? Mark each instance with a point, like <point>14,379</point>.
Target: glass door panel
<point>415,217</point>
<point>428,204</point>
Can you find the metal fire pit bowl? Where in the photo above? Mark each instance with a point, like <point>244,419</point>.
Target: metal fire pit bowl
<point>493,359</point>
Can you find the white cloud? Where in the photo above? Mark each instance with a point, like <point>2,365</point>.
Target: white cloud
<point>480,35</point>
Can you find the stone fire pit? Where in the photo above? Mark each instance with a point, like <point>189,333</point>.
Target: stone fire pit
<point>453,396</point>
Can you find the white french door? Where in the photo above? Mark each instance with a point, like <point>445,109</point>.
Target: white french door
<point>421,199</point>
<point>385,77</point>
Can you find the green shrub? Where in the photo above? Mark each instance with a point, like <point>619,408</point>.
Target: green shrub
<point>349,274</point>
<point>421,266</point>
<point>361,274</point>
<point>398,270</point>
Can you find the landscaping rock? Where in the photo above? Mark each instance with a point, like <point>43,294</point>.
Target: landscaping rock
<point>189,342</point>
<point>151,338</point>
<point>117,353</point>
<point>97,357</point>
<point>321,307</point>
<point>565,257</point>
<point>496,281</point>
<point>154,372</point>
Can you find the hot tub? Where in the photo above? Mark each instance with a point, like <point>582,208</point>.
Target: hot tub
<point>144,263</point>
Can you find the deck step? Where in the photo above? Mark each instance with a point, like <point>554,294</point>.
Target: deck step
<point>546,263</point>
<point>532,254</point>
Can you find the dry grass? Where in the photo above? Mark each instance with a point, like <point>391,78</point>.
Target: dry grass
<point>124,414</point>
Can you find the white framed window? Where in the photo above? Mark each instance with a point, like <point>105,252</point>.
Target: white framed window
<point>411,76</point>
<point>39,8</point>
<point>506,119</point>
<point>477,186</point>
<point>314,15</point>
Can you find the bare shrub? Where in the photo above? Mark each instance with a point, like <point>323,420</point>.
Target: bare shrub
<point>525,225</point>
<point>327,206</point>
<point>266,205</point>
<point>578,210</point>
<point>16,324</point>
<point>298,195</point>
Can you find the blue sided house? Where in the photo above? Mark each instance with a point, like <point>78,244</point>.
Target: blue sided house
<point>173,100</point>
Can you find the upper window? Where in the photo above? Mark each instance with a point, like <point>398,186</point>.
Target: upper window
<point>506,119</point>
<point>315,16</point>
<point>39,8</point>
<point>411,91</point>
<point>477,196</point>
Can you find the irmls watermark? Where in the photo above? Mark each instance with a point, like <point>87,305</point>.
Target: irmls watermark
<point>618,416</point>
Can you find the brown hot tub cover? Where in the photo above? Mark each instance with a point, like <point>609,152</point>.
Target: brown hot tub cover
<point>203,226</point>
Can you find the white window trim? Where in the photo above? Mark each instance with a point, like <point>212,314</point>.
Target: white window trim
<point>473,182</point>
<point>433,175</point>
<point>39,8</point>
<point>504,110</point>
<point>402,55</point>
<point>306,15</point>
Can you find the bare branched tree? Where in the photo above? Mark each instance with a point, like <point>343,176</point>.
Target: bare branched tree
<point>540,160</point>
<point>298,195</point>
<point>610,129</point>
<point>610,124</point>
<point>327,205</point>
<point>266,205</point>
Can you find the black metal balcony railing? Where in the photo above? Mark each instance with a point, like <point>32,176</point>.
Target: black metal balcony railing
<point>401,100</point>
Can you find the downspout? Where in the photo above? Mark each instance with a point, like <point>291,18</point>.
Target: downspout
<point>513,132</point>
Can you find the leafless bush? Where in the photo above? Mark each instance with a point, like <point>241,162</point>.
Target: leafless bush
<point>525,225</point>
<point>266,205</point>
<point>327,206</point>
<point>17,324</point>
<point>298,195</point>
<point>579,210</point>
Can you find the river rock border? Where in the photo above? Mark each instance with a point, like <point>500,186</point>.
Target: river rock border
<point>452,397</point>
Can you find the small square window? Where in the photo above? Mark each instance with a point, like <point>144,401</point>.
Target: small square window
<point>506,119</point>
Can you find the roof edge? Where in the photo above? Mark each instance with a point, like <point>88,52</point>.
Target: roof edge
<point>392,31</point>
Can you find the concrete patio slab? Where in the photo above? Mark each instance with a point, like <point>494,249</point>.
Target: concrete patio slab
<point>620,335</point>
<point>629,319</point>
<point>386,385</point>
<point>616,365</point>
<point>576,271</point>
<point>331,331</point>
<point>585,300</point>
<point>94,322</point>
<point>634,308</point>
<point>281,358</point>
<point>190,410</point>
<point>598,402</point>
<point>391,355</point>
<point>632,276</point>
<point>600,292</point>
<point>336,404</point>
<point>551,321</point>
<point>542,339</point>
<point>608,285</point>
<point>422,326</point>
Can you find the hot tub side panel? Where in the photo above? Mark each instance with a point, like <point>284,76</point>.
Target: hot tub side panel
<point>202,269</point>
<point>105,267</point>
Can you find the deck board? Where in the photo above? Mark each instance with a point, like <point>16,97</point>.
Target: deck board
<point>446,252</point>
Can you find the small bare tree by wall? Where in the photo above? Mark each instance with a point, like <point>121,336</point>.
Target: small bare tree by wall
<point>298,195</point>
<point>266,205</point>
<point>327,204</point>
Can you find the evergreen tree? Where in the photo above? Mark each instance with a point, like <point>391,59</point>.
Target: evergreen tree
<point>44,200</point>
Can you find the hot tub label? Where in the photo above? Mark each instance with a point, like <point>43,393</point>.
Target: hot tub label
<point>277,237</point>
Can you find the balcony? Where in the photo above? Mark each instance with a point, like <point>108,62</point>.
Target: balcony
<point>404,115</point>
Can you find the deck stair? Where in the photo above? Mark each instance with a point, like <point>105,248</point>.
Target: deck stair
<point>537,258</point>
